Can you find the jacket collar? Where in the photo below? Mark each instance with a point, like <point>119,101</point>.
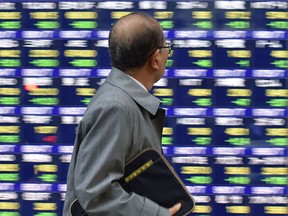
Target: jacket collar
<point>137,93</point>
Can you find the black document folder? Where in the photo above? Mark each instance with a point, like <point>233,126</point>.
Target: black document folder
<point>149,174</point>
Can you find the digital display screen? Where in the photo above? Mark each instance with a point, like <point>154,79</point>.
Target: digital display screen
<point>224,91</point>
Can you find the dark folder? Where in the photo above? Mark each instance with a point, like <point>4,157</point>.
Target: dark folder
<point>149,174</point>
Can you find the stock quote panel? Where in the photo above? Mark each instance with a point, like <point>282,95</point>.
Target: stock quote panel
<point>224,91</point>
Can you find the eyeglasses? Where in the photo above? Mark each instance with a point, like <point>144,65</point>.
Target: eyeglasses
<point>168,47</point>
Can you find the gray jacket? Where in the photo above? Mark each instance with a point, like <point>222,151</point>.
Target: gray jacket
<point>121,120</point>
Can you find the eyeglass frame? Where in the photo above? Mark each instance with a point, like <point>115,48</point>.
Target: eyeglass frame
<point>168,46</point>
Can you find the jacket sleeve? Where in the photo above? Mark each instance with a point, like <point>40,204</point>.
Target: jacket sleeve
<point>100,163</point>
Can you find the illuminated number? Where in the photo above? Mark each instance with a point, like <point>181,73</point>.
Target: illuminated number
<point>202,209</point>
<point>239,53</point>
<point>163,14</point>
<point>9,129</point>
<point>9,205</point>
<point>238,209</point>
<point>80,53</point>
<point>81,15</point>
<point>45,206</point>
<point>118,15</point>
<point>237,15</point>
<point>45,168</point>
<point>237,131</point>
<point>277,131</point>
<point>10,15</point>
<point>276,92</point>
<point>195,170</point>
<point>43,53</point>
<point>10,53</point>
<point>199,131</point>
<point>276,15</point>
<point>163,92</point>
<point>200,92</point>
<point>44,91</point>
<point>9,167</point>
<point>274,171</point>
<point>239,92</point>
<point>237,170</point>
<point>44,15</point>
<point>167,131</point>
<point>202,15</point>
<point>10,91</point>
<point>279,54</point>
<point>45,129</point>
<point>283,210</point>
<point>200,53</point>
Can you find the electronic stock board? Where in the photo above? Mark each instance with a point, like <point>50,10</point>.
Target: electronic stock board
<point>224,91</point>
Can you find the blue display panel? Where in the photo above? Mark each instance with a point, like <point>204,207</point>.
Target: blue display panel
<point>224,91</point>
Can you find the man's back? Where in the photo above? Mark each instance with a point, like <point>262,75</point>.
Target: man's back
<point>116,126</point>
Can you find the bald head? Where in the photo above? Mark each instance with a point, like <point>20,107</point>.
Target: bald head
<point>133,26</point>
<point>132,39</point>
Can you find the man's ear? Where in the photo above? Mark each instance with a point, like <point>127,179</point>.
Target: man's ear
<point>155,60</point>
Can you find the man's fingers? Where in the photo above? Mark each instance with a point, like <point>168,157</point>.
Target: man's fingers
<point>174,209</point>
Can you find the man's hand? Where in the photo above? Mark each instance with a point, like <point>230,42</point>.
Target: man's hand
<point>174,209</point>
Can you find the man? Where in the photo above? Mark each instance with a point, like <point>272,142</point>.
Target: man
<point>121,120</point>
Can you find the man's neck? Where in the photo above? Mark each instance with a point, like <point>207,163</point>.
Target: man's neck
<point>143,77</point>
